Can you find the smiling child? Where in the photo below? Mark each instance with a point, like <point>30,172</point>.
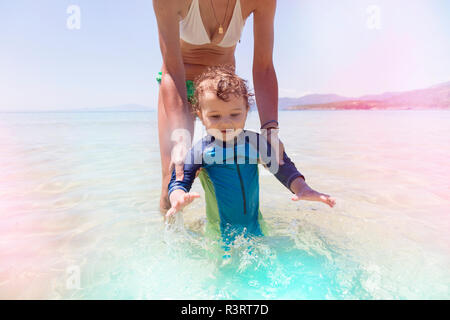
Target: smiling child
<point>228,156</point>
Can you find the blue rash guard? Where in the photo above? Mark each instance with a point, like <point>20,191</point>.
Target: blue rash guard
<point>230,179</point>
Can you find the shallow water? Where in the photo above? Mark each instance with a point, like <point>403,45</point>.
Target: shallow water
<point>79,195</point>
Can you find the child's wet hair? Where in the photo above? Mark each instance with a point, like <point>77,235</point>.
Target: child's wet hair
<point>224,82</point>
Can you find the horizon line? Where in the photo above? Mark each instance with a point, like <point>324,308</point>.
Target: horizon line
<point>95,109</point>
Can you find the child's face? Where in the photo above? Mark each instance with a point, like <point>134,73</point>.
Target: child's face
<point>223,119</point>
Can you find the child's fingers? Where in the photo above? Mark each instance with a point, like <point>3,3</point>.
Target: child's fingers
<point>332,202</point>
<point>174,209</point>
<point>189,197</point>
<point>170,212</point>
<point>194,195</point>
<point>321,197</point>
<point>328,200</point>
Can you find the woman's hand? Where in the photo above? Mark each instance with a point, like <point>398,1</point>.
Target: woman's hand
<point>304,192</point>
<point>181,147</point>
<point>271,134</point>
<point>180,199</point>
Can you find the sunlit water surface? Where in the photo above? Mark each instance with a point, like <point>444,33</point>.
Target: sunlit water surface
<point>79,218</point>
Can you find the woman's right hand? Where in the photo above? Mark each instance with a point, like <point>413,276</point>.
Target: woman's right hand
<point>181,139</point>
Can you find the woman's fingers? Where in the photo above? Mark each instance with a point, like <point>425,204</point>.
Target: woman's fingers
<point>179,172</point>
<point>182,141</point>
<point>281,153</point>
<point>271,135</point>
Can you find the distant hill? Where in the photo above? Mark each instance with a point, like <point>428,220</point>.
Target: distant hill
<point>434,97</point>
<point>284,103</point>
<point>123,107</point>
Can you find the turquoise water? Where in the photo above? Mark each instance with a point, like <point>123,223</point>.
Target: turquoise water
<point>79,195</point>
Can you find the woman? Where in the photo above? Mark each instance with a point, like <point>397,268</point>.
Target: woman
<point>195,34</point>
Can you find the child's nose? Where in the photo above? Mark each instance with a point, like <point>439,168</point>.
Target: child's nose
<point>227,123</point>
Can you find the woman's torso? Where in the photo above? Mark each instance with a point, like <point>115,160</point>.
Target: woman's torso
<point>197,58</point>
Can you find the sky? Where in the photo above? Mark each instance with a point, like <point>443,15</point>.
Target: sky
<point>110,55</point>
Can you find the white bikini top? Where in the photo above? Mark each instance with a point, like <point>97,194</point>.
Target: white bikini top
<point>193,31</point>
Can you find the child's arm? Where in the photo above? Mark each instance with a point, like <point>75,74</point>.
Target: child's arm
<point>289,176</point>
<point>179,194</point>
<point>304,192</point>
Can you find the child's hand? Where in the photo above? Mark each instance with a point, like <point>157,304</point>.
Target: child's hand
<point>179,201</point>
<point>304,192</point>
<point>312,195</point>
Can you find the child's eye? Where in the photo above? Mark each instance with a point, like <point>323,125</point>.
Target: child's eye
<point>235,114</point>
<point>215,116</point>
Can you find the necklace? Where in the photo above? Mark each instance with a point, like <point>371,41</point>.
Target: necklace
<point>220,24</point>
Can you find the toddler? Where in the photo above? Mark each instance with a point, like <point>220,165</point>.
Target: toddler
<point>228,157</point>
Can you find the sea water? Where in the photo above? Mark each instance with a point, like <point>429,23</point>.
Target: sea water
<point>79,217</point>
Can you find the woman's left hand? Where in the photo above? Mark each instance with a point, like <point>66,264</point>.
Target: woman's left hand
<point>272,137</point>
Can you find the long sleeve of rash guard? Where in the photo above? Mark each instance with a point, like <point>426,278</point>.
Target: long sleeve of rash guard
<point>188,179</point>
<point>287,172</point>
<point>192,162</point>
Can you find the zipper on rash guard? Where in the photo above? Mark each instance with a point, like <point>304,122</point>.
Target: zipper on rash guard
<point>239,174</point>
<point>242,188</point>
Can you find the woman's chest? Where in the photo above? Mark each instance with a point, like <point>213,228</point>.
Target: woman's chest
<point>216,16</point>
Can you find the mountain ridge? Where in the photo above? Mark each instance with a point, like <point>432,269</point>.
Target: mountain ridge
<point>433,97</point>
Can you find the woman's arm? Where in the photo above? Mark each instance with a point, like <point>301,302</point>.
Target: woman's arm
<point>264,76</point>
<point>173,87</point>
